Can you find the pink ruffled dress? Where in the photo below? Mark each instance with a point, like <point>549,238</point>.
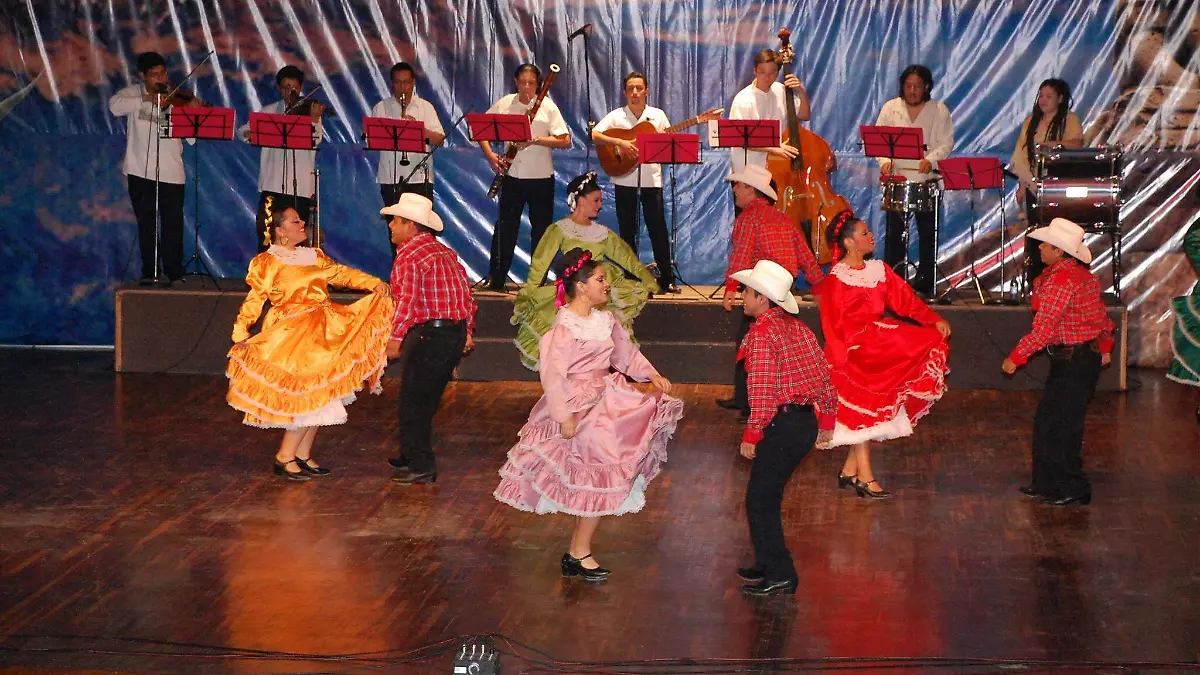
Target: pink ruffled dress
<point>621,433</point>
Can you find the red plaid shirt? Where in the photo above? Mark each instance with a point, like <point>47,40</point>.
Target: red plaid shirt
<point>429,283</point>
<point>784,365</point>
<point>1069,311</point>
<point>763,233</point>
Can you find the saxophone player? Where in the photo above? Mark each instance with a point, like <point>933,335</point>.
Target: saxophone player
<point>395,167</point>
<point>530,178</point>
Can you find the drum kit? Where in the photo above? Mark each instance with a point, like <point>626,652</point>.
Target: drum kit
<point>1082,185</point>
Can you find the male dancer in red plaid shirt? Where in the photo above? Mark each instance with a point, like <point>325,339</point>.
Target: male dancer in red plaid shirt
<point>793,405</point>
<point>761,232</point>
<point>1072,325</point>
<point>435,321</point>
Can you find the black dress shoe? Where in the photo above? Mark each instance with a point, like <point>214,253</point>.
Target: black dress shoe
<point>731,404</point>
<point>573,567</point>
<point>495,285</point>
<point>1082,499</point>
<point>282,472</point>
<point>310,469</point>
<point>398,462</point>
<point>845,481</point>
<point>672,288</point>
<point>1028,491</point>
<point>751,574</point>
<point>768,587</point>
<point>410,476</point>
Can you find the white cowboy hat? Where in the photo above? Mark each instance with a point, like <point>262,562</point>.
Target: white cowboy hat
<point>769,278</point>
<point>416,208</point>
<point>1066,235</point>
<point>756,177</point>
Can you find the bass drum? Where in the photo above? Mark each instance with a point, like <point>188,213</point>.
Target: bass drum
<point>1093,204</point>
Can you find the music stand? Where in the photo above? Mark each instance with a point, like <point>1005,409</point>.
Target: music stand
<point>892,143</point>
<point>209,123</point>
<point>671,149</point>
<point>748,135</point>
<point>285,132</point>
<point>972,173</point>
<point>491,127</point>
<point>384,134</point>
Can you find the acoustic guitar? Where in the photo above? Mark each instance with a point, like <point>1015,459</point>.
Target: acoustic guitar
<point>617,163</point>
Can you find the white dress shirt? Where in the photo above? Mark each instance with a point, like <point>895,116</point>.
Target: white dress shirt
<point>277,167</point>
<point>934,121</point>
<point>753,103</point>
<point>389,161</point>
<point>623,118</point>
<point>143,146</point>
<point>534,161</point>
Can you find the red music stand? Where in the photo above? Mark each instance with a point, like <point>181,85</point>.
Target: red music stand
<point>972,173</point>
<point>384,134</point>
<point>214,124</point>
<point>893,142</point>
<point>671,149</point>
<point>748,134</point>
<point>290,132</point>
<point>492,127</point>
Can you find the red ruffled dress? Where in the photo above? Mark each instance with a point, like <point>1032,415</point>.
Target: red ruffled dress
<point>888,372</point>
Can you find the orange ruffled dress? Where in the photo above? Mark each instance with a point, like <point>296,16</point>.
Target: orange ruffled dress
<point>312,354</point>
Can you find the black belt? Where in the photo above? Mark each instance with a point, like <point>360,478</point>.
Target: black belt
<point>795,407</point>
<point>1067,351</point>
<point>442,323</point>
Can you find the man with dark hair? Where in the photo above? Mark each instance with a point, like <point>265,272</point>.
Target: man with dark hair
<point>530,179</point>
<point>285,177</point>
<point>153,166</point>
<point>915,108</point>
<point>395,167</point>
<point>434,324</point>
<point>762,99</point>
<point>645,180</point>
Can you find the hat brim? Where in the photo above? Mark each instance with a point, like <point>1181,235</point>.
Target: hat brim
<point>1081,253</point>
<point>746,277</point>
<point>742,178</point>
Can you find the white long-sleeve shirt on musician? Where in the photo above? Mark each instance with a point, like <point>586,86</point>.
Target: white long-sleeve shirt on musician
<point>279,169</point>
<point>143,146</point>
<point>390,170</point>
<point>752,103</point>
<point>534,161</point>
<point>934,120</point>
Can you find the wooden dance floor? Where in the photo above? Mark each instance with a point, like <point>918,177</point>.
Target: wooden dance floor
<point>141,532</point>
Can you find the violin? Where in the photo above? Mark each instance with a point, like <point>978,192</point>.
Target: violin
<point>304,107</point>
<point>181,97</point>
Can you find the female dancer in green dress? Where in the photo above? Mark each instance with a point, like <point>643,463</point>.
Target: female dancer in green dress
<point>1185,341</point>
<point>534,310</point>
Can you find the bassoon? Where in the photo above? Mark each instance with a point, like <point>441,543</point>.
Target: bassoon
<point>511,153</point>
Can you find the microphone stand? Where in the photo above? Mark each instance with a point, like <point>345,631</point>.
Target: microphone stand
<point>587,78</point>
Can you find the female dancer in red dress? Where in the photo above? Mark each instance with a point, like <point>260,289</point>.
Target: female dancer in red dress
<point>888,373</point>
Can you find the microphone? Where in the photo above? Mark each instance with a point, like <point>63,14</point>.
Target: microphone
<point>579,31</point>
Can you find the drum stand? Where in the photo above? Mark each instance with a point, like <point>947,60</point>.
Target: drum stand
<point>944,298</point>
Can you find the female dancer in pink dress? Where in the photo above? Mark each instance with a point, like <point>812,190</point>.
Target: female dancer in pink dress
<point>593,442</point>
<point>888,373</point>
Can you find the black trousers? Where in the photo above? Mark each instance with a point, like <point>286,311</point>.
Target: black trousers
<point>515,193</point>
<point>739,368</point>
<point>280,201</point>
<point>786,441</point>
<point>430,356</point>
<point>1058,424</point>
<point>391,193</point>
<point>170,207</point>
<point>654,214</point>
<point>894,247</point>
<point>1033,257</point>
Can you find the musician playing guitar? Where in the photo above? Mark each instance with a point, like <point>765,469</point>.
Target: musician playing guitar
<point>616,140</point>
<point>530,177</point>
<point>763,99</point>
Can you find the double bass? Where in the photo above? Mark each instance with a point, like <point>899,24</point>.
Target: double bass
<point>805,194</point>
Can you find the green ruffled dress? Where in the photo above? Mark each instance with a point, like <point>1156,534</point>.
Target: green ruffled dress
<point>534,310</point>
<point>1185,341</point>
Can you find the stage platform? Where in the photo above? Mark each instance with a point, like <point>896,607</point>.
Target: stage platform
<point>142,528</point>
<point>688,337</point>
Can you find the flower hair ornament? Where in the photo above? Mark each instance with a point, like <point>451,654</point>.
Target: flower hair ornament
<point>560,283</point>
<point>267,203</point>
<point>839,224</point>
<point>589,179</point>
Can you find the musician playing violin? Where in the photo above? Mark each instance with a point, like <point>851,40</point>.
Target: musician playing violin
<point>395,167</point>
<point>530,178</point>
<point>286,176</point>
<point>762,99</point>
<point>150,159</point>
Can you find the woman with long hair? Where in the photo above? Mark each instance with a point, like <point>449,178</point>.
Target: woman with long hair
<point>312,355</point>
<point>593,442</point>
<point>888,373</point>
<point>1052,123</point>
<point>534,311</point>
